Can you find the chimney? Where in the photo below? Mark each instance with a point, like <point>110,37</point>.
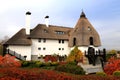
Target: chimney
<point>47,21</point>
<point>27,24</point>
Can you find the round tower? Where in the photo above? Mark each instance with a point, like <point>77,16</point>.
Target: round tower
<point>84,35</point>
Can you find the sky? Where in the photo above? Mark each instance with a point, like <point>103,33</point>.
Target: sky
<point>104,15</point>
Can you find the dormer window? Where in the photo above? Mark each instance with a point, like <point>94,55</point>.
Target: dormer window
<point>45,31</point>
<point>59,32</point>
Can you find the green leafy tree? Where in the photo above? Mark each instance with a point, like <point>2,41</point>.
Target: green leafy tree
<point>111,53</point>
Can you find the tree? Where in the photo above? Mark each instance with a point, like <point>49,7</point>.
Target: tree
<point>75,55</point>
<point>111,53</point>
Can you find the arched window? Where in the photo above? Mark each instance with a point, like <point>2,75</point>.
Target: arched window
<point>91,40</point>
<point>74,41</point>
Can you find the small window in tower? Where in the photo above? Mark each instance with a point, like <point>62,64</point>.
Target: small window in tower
<point>89,29</point>
<point>62,48</point>
<point>74,41</point>
<point>91,40</point>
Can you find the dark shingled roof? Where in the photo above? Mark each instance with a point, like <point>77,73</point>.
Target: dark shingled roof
<point>82,33</point>
<point>20,38</point>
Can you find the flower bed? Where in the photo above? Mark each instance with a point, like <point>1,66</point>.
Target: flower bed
<point>41,74</point>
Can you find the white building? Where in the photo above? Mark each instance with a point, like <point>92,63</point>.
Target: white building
<point>50,39</point>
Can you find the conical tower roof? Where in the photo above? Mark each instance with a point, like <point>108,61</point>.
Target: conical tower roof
<point>84,33</point>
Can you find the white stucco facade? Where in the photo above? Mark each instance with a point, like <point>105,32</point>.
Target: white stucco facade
<point>23,50</point>
<point>49,47</point>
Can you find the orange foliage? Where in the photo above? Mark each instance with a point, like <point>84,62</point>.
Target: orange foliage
<point>9,61</point>
<point>75,55</point>
<point>112,65</point>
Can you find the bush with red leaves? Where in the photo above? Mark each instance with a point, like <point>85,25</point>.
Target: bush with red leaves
<point>9,61</point>
<point>112,65</point>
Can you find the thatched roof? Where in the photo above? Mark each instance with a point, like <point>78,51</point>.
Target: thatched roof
<point>51,32</point>
<point>82,33</point>
<point>20,38</point>
<point>40,31</point>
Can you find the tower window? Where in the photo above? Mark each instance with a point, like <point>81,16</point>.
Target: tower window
<point>91,40</point>
<point>74,41</point>
<point>89,29</point>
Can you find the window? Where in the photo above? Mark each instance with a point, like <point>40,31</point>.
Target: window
<point>62,48</point>
<point>62,41</point>
<point>44,48</point>
<point>39,40</point>
<point>59,48</point>
<point>74,41</point>
<point>91,40</point>
<point>44,40</point>
<point>39,48</point>
<point>45,31</point>
<point>89,29</point>
<point>59,41</point>
<point>59,32</point>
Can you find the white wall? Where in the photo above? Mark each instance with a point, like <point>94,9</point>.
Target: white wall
<point>52,46</point>
<point>85,48</point>
<point>23,50</point>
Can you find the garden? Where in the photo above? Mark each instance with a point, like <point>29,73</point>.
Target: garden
<point>13,69</point>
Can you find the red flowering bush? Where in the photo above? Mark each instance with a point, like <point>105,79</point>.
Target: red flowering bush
<point>9,61</point>
<point>50,58</point>
<point>112,65</point>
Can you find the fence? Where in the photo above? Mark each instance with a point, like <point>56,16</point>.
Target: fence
<point>18,56</point>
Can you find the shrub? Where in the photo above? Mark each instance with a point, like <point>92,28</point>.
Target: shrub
<point>38,64</point>
<point>72,63</point>
<point>54,63</point>
<point>47,64</point>
<point>112,65</point>
<point>25,63</point>
<point>116,73</point>
<point>75,55</point>
<point>74,69</point>
<point>101,74</point>
<point>32,64</point>
<point>9,61</point>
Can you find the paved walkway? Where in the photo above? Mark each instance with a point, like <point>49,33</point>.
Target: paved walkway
<point>91,69</point>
